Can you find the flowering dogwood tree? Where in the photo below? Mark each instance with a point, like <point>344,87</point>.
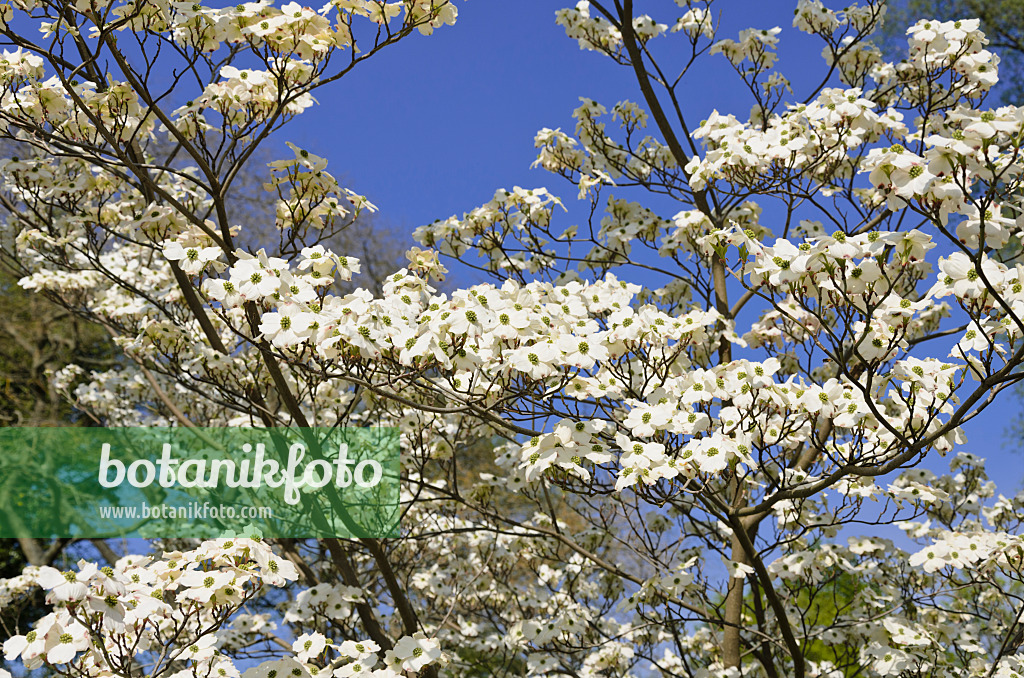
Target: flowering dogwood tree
<point>695,422</point>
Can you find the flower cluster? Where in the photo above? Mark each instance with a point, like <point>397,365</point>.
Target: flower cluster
<point>754,45</point>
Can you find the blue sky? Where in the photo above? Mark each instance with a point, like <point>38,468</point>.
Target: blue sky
<point>439,123</point>
<point>433,126</point>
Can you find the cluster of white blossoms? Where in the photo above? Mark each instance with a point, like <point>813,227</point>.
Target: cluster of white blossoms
<point>310,197</point>
<point>291,29</point>
<point>946,42</point>
<point>756,45</point>
<point>246,95</point>
<point>697,21</point>
<point>977,147</point>
<point>18,66</point>
<point>293,42</point>
<point>594,155</point>
<point>598,34</point>
<point>71,108</point>
<point>102,617</point>
<point>810,16</point>
<point>807,137</point>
